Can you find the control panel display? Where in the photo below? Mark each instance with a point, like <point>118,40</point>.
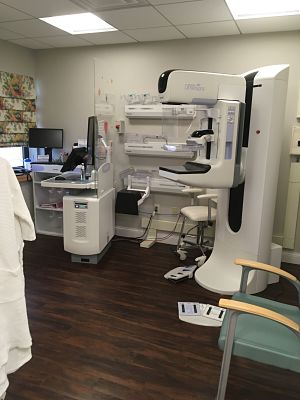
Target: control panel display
<point>80,205</point>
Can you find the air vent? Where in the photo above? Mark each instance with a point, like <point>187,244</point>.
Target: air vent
<point>80,218</point>
<point>105,5</point>
<point>80,232</point>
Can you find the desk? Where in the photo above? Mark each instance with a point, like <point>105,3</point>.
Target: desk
<point>23,178</point>
<point>27,190</point>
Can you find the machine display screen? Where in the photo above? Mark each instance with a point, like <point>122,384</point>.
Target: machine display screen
<point>81,206</point>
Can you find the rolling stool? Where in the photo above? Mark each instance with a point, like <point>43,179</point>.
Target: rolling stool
<point>203,216</point>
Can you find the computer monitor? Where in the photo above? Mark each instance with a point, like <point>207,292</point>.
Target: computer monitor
<point>85,155</point>
<point>77,156</point>
<point>14,155</point>
<point>46,138</point>
<point>91,139</point>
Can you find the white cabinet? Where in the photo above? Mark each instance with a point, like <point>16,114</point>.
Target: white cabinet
<point>48,201</point>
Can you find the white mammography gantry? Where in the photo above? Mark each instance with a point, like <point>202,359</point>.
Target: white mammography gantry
<point>238,151</point>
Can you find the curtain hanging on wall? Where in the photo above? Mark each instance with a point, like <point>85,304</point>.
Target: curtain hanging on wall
<point>17,108</point>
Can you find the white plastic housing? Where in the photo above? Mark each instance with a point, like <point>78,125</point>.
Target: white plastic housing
<point>224,148</point>
<point>192,87</point>
<point>253,240</point>
<point>89,222</point>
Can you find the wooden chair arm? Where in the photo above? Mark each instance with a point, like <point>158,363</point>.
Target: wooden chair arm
<point>260,311</point>
<point>265,267</point>
<point>207,196</point>
<point>192,190</point>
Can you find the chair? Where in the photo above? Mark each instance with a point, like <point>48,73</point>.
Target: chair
<point>259,329</point>
<point>202,216</point>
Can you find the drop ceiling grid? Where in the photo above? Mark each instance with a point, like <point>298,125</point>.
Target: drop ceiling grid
<point>136,21</point>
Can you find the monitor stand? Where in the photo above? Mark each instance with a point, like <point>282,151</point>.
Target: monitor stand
<point>48,152</point>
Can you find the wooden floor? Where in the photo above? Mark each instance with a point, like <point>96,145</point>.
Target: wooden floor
<point>111,332</point>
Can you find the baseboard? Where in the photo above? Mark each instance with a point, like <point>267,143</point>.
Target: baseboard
<point>278,239</point>
<point>134,232</point>
<point>128,232</point>
<point>290,257</point>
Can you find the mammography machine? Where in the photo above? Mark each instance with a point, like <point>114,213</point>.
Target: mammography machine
<point>237,151</point>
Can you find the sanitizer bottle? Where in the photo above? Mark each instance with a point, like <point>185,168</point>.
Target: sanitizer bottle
<point>27,164</point>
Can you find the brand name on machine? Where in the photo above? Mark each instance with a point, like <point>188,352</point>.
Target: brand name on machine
<point>194,86</point>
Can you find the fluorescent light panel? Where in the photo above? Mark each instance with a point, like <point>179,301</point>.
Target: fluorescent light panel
<point>79,24</point>
<point>249,9</point>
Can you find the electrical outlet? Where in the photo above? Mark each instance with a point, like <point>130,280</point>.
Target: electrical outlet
<point>156,208</point>
<point>175,210</point>
<point>120,126</point>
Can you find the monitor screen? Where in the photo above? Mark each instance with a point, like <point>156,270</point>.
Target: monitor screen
<point>91,139</point>
<point>45,137</point>
<point>14,155</point>
<point>77,157</point>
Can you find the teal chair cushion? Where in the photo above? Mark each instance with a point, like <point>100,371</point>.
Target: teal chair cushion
<point>263,340</point>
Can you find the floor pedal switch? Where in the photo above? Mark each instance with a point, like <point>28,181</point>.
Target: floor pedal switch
<point>179,274</point>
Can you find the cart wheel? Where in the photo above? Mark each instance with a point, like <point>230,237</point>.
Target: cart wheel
<point>200,260</point>
<point>182,254</point>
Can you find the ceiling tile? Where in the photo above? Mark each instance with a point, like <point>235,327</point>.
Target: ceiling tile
<point>64,41</point>
<point>137,20</point>
<point>11,14</point>
<point>140,17</point>
<point>107,38</point>
<point>6,35</point>
<point>196,12</point>
<point>273,24</point>
<point>30,43</point>
<point>159,2</point>
<point>32,28</point>
<point>44,8</point>
<point>155,34</point>
<point>209,29</point>
<point>101,5</point>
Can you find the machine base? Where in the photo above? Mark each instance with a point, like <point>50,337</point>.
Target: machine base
<point>219,274</point>
<point>90,259</point>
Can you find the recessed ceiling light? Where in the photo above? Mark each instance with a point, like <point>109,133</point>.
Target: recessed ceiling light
<point>79,24</point>
<point>242,9</point>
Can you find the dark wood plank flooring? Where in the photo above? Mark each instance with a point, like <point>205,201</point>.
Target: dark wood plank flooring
<point>111,332</point>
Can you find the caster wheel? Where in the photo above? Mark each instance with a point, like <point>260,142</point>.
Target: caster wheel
<point>182,255</point>
<point>200,260</point>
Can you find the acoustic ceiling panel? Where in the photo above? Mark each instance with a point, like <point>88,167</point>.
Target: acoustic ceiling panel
<point>100,5</point>
<point>44,8</point>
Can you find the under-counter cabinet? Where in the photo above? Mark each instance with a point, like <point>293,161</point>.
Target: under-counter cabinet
<point>48,202</point>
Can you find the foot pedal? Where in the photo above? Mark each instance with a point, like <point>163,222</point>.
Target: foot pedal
<point>181,273</point>
<point>214,312</point>
<point>201,314</point>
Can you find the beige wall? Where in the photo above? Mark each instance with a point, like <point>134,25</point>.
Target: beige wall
<point>18,59</point>
<point>66,79</point>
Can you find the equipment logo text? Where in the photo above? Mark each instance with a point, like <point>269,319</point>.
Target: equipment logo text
<point>194,86</point>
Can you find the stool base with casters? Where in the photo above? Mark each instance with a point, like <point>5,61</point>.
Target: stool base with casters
<point>202,216</point>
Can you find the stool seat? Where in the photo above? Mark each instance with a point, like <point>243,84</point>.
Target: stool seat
<point>198,213</point>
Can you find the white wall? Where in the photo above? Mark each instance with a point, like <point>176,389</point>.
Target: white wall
<point>17,59</point>
<point>66,79</point>
<point>20,60</point>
